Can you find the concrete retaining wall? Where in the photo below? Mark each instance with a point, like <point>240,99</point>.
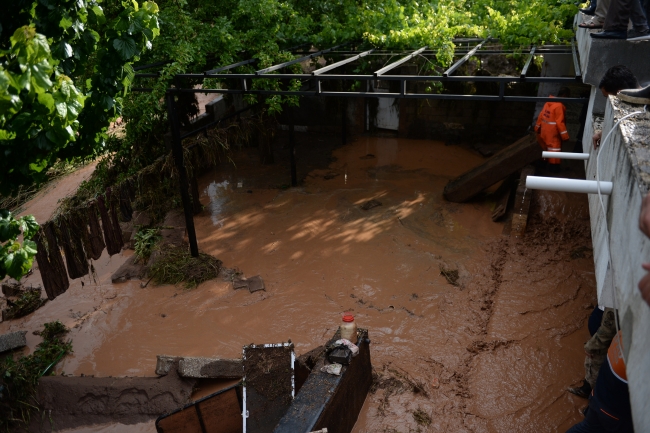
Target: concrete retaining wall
<point>621,161</point>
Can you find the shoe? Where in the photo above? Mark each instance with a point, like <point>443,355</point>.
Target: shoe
<point>582,391</point>
<point>634,35</point>
<point>635,96</point>
<point>588,11</point>
<point>591,24</point>
<point>610,34</point>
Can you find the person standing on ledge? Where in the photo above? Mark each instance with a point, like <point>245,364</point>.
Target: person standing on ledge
<point>551,129</point>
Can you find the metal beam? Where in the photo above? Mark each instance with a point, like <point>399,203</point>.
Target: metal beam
<point>233,66</point>
<point>528,62</point>
<point>463,60</point>
<point>399,62</point>
<point>341,63</point>
<point>301,59</point>
<point>576,64</point>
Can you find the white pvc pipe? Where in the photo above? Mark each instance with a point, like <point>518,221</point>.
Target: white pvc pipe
<point>565,155</point>
<point>568,185</point>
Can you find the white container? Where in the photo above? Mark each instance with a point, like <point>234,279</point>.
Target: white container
<point>349,328</point>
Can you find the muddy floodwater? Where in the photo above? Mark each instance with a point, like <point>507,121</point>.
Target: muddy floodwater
<point>493,353</point>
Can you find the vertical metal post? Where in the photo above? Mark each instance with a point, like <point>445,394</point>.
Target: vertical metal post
<point>292,150</point>
<point>177,152</point>
<point>344,122</point>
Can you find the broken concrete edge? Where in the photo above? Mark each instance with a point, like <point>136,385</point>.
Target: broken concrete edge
<point>210,368</point>
<point>13,340</point>
<point>73,401</point>
<point>200,368</point>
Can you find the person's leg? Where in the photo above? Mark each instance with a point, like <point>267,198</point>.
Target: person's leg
<point>601,10</point>
<point>591,423</point>
<point>618,15</point>
<point>638,17</point>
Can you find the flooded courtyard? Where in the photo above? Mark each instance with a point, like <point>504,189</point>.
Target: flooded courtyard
<point>492,352</point>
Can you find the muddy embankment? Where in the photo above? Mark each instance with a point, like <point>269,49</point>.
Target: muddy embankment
<point>493,353</point>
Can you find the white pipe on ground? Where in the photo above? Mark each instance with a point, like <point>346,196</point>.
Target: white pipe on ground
<point>565,155</point>
<point>568,185</point>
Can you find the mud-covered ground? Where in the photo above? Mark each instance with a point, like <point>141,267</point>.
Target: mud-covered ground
<point>494,353</point>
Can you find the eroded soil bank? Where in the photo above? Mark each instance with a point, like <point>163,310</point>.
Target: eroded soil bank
<point>493,354</point>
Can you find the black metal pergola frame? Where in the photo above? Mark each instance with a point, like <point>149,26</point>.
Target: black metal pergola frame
<point>312,86</point>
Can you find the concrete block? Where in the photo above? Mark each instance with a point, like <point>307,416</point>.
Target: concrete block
<point>210,368</point>
<point>598,55</point>
<point>13,340</point>
<point>164,364</point>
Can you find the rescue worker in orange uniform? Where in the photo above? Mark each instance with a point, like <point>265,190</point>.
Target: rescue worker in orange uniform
<point>609,405</point>
<point>551,129</point>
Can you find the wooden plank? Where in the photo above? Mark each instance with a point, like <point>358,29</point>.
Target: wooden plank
<point>524,151</point>
<point>502,195</point>
<point>522,204</point>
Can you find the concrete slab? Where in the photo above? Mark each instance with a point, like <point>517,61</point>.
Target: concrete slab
<point>598,55</point>
<point>210,368</point>
<point>164,363</point>
<point>13,340</point>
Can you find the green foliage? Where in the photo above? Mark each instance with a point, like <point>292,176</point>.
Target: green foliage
<point>145,241</point>
<point>64,67</point>
<point>15,258</point>
<point>19,377</point>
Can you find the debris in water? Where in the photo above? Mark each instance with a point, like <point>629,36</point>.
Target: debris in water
<point>367,156</point>
<point>421,417</point>
<point>28,301</point>
<point>394,382</point>
<point>174,265</point>
<point>580,252</point>
<point>253,284</point>
<point>370,204</point>
<point>435,383</point>
<point>450,274</point>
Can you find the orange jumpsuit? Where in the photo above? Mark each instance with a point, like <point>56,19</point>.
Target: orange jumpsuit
<point>550,128</point>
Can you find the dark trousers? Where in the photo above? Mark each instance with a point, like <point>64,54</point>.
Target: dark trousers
<point>621,11</point>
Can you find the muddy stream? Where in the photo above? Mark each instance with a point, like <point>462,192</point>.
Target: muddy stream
<point>494,353</point>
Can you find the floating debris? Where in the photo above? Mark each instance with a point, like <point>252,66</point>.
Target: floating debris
<point>370,204</point>
<point>450,274</point>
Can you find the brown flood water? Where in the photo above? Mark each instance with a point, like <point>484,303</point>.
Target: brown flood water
<point>503,345</point>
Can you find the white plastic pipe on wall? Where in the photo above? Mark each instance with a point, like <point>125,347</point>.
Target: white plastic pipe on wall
<point>565,155</point>
<point>568,185</point>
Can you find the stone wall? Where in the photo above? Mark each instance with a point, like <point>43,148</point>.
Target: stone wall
<point>468,121</point>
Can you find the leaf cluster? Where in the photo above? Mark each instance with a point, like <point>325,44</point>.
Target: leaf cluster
<point>145,241</point>
<point>64,68</point>
<point>15,258</point>
<point>19,377</point>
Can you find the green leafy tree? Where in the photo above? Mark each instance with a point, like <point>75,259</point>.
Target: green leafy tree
<point>64,67</point>
<point>15,258</point>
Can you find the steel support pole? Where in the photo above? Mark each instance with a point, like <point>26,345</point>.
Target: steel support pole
<point>292,149</point>
<point>177,152</point>
<point>344,121</point>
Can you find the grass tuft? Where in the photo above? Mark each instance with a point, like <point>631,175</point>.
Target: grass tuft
<point>174,265</point>
<point>28,302</point>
